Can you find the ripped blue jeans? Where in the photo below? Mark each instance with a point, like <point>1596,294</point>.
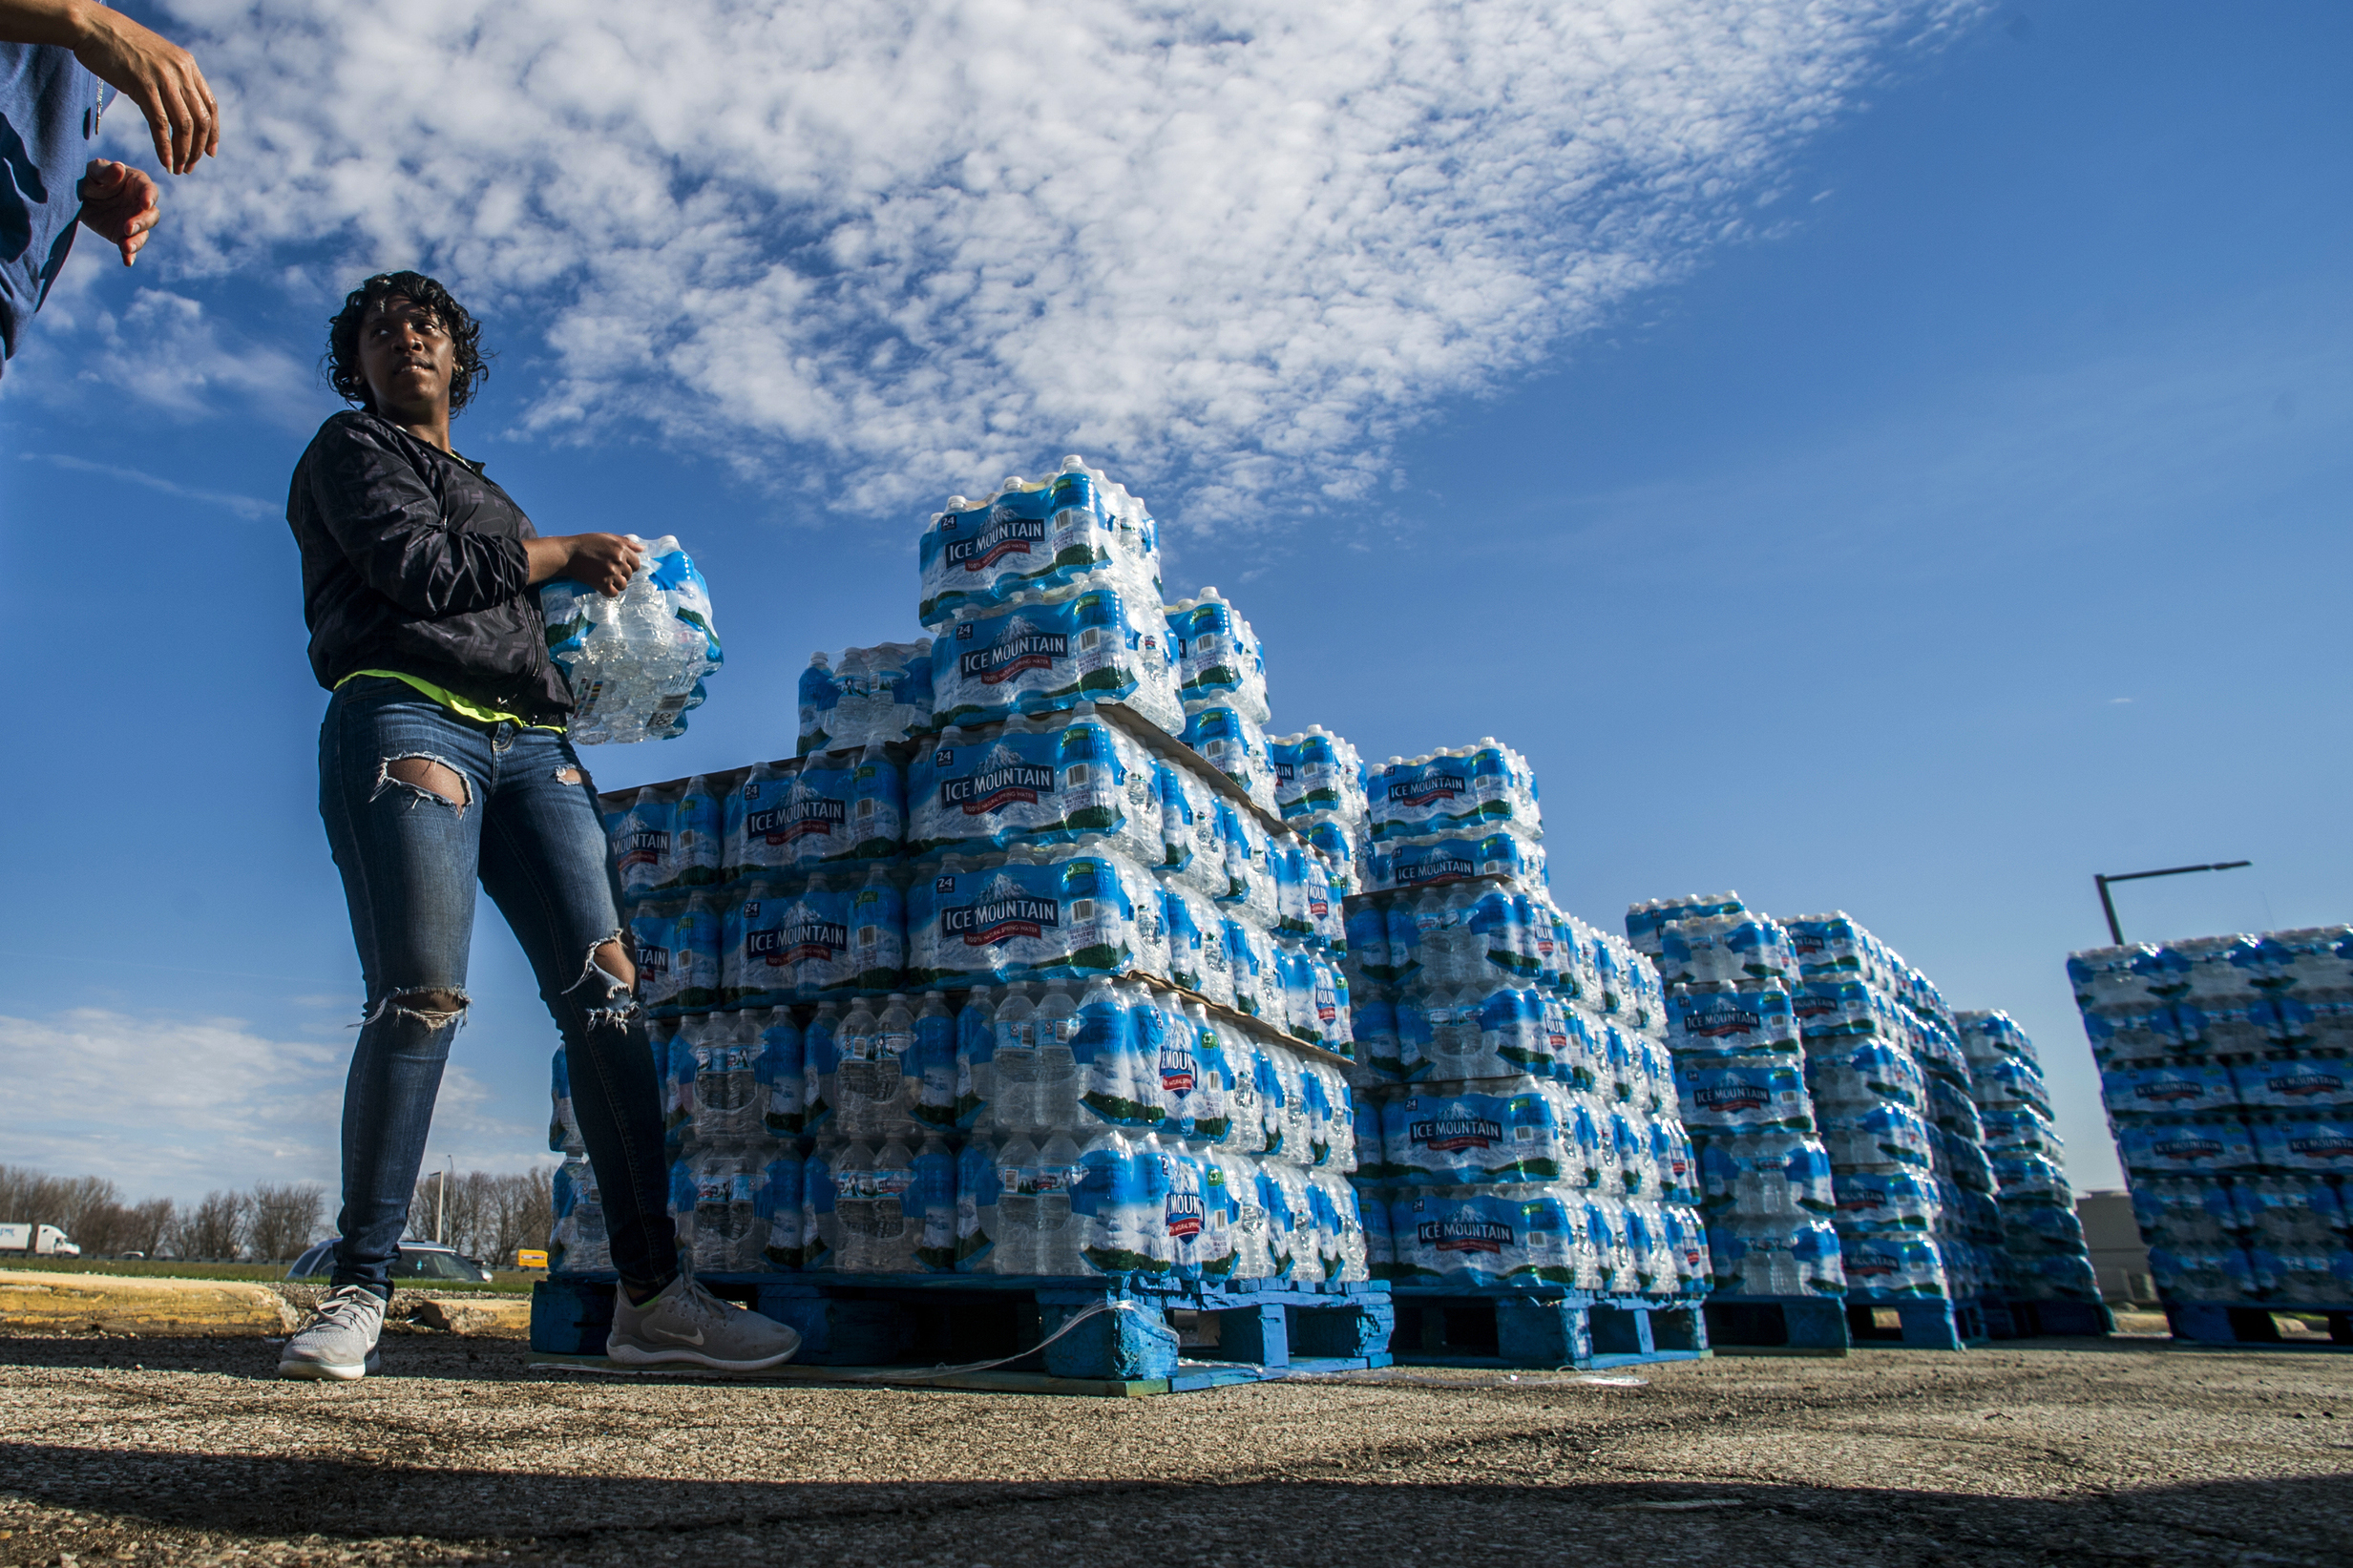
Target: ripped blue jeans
<point>527,827</point>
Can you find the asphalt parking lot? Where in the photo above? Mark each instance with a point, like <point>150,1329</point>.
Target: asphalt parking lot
<point>163,1450</point>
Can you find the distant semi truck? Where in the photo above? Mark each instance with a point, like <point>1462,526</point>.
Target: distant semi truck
<point>33,1240</point>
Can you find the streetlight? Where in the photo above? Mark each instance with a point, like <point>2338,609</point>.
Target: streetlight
<point>441,1199</point>
<point>2108,905</point>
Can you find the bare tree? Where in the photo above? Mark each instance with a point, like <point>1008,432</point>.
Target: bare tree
<point>213,1231</point>
<point>87,1209</point>
<point>79,1206</point>
<point>286,1218</point>
<point>146,1226</point>
<point>527,1212</point>
<point>485,1216</point>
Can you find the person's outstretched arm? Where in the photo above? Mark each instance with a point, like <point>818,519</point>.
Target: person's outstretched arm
<point>151,71</point>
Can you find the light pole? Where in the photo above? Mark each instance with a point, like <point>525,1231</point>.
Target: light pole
<point>2107,905</point>
<point>441,1199</point>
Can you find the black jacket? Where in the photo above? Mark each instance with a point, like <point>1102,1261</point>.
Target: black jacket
<point>414,562</point>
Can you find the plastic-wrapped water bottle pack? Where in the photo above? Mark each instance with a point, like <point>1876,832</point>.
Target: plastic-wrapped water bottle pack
<point>1077,529</point>
<point>1036,655</point>
<point>1318,777</point>
<point>881,694</point>
<point>2226,1065</point>
<point>635,662</point>
<point>1468,792</point>
<point>1220,662</point>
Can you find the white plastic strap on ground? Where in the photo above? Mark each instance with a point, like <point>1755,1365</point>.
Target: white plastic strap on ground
<point>1383,1377</point>
<point>915,1374</point>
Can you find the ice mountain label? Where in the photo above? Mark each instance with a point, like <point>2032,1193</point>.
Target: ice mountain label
<point>1004,910</point>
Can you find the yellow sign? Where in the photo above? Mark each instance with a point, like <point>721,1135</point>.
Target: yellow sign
<point>529,1259</point>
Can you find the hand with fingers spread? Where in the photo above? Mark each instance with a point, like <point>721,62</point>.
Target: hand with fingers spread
<point>118,205</point>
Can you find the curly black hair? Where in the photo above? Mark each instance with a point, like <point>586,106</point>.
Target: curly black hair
<point>343,336</point>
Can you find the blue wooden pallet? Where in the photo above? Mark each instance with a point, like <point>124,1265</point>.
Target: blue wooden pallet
<point>1173,1335</point>
<point>1778,1325</point>
<point>2250,1323</point>
<point>2044,1319</point>
<point>1915,1325</point>
<point>1465,1326</point>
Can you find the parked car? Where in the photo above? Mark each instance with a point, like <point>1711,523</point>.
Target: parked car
<point>423,1263</point>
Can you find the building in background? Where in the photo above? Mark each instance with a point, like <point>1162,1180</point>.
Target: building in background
<point>2119,1257</point>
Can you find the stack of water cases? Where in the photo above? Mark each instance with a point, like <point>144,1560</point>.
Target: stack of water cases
<point>1764,1173</point>
<point>2044,1253</point>
<point>1891,1090</point>
<point>1032,980</point>
<point>2223,1064</point>
<point>1511,1058</point>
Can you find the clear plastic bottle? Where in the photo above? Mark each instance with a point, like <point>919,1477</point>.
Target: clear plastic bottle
<point>821,1073</point>
<point>896,1221</point>
<point>898,1073</point>
<point>1015,1060</point>
<point>934,1204</point>
<point>1059,1081</point>
<point>933,1064</point>
<point>853,1204</point>
<point>975,1064</point>
<point>860,1075</point>
<point>978,1231</point>
<point>1017,1207</point>
<point>1211,1122</point>
<point>1059,1237</point>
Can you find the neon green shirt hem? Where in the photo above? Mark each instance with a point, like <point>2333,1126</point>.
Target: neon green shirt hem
<point>463,707</point>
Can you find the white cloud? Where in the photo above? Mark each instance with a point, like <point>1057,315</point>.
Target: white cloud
<point>178,1106</point>
<point>165,350</point>
<point>1230,247</point>
<point>250,508</point>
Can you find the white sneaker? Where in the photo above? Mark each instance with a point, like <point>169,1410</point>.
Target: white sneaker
<point>686,1323</point>
<point>342,1345</point>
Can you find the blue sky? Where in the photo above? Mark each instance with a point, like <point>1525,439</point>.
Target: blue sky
<point>1910,481</point>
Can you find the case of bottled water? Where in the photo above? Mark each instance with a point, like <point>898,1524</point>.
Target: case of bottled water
<point>879,695</point>
<point>1727,948</point>
<point>1235,744</point>
<point>1317,776</point>
<point>1219,659</point>
<point>1035,783</point>
<point>1036,656</point>
<point>1064,914</point>
<point>1414,864</point>
<point>1076,529</point>
<point>1470,791</point>
<point>637,662</point>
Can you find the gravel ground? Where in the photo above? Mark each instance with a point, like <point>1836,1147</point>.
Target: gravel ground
<point>188,1450</point>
